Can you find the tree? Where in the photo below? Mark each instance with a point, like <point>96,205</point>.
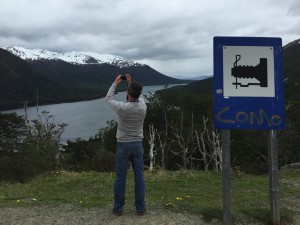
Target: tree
<point>213,142</point>
<point>12,146</point>
<point>185,142</point>
<point>12,134</point>
<point>97,153</point>
<point>288,139</point>
<point>44,140</point>
<point>107,136</point>
<point>201,147</point>
<point>160,114</point>
<point>28,148</point>
<point>164,143</point>
<point>151,141</point>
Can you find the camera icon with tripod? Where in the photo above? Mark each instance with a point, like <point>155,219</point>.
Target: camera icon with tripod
<point>259,72</point>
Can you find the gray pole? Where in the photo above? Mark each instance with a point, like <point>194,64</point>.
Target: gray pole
<point>273,177</point>
<point>226,177</point>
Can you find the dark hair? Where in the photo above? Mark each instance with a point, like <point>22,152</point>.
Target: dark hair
<point>135,89</point>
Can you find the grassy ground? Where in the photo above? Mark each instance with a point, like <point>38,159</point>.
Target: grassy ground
<point>182,191</point>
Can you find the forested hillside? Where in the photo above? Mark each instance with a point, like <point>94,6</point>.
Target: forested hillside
<point>19,83</point>
<point>290,137</point>
<point>291,64</point>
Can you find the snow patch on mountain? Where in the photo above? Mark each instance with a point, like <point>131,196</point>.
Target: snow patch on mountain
<point>72,57</point>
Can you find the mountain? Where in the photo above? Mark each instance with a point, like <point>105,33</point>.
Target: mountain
<point>88,68</point>
<point>20,83</point>
<point>291,70</point>
<point>65,77</point>
<point>72,57</point>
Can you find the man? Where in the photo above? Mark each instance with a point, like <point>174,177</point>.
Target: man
<point>131,115</point>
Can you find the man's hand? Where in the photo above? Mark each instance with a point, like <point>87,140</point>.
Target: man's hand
<point>128,78</point>
<point>118,79</point>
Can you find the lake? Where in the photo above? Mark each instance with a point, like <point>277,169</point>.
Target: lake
<point>84,118</point>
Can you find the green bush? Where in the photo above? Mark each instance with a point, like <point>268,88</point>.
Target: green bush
<point>28,148</point>
<point>104,161</point>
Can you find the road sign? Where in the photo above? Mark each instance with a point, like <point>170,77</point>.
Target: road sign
<point>248,83</point>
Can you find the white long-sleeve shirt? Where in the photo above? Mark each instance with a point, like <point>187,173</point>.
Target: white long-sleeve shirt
<point>131,116</point>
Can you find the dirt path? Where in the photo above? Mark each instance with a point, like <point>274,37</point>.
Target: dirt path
<point>67,215</point>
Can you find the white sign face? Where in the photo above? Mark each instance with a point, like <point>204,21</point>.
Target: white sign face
<point>248,71</point>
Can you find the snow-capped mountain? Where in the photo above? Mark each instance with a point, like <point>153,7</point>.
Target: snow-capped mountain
<point>65,77</point>
<point>72,57</point>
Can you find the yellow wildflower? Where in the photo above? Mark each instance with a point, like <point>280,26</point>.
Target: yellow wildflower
<point>169,204</point>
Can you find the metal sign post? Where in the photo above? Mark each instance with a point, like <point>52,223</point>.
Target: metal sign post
<point>273,177</point>
<point>226,177</point>
<point>248,94</point>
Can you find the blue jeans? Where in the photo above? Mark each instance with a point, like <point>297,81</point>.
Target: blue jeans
<point>134,152</point>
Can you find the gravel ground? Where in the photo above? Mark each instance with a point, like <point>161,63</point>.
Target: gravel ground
<point>67,215</point>
<point>75,216</point>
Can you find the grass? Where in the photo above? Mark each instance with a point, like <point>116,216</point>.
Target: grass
<point>182,191</point>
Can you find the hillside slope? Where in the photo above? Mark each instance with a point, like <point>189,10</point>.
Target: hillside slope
<point>291,70</point>
<point>55,80</point>
<point>19,83</point>
<point>97,74</point>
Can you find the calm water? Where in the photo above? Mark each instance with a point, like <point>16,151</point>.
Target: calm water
<point>84,118</point>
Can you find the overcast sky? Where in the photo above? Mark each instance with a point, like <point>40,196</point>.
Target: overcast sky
<point>174,37</point>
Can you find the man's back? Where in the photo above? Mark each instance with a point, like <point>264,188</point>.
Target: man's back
<point>131,117</point>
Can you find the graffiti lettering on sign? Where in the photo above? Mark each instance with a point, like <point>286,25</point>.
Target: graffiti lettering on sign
<point>252,118</point>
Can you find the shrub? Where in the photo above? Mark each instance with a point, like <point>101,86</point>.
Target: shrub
<point>104,161</point>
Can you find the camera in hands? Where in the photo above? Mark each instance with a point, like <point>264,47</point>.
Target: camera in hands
<point>123,77</point>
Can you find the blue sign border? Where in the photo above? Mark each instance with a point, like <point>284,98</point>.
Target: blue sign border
<point>261,113</point>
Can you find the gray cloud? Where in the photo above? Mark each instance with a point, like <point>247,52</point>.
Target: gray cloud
<point>174,37</point>
<point>294,8</point>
